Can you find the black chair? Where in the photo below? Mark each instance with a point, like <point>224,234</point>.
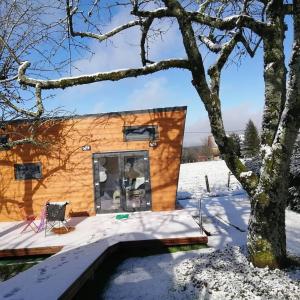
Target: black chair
<point>55,214</point>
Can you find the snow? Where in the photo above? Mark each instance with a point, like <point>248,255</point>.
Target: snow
<point>227,274</point>
<point>192,180</point>
<point>221,271</point>
<point>246,174</point>
<point>91,237</point>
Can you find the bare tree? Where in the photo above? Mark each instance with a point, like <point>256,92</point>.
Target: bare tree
<point>229,29</point>
<point>190,154</point>
<point>25,30</point>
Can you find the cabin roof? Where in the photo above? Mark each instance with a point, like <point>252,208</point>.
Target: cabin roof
<point>116,113</point>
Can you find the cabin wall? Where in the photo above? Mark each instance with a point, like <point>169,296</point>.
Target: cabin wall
<point>68,170</point>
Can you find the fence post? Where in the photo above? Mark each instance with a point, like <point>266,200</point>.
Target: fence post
<point>228,182</point>
<point>207,184</point>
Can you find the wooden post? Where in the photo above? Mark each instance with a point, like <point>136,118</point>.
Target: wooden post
<point>207,184</point>
<point>228,183</point>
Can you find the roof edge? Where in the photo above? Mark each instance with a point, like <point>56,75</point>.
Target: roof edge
<point>125,112</point>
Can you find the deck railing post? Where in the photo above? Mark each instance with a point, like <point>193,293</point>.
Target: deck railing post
<point>207,184</point>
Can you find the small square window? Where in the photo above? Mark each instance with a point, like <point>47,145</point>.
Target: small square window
<point>28,171</point>
<point>140,133</point>
<point>3,139</point>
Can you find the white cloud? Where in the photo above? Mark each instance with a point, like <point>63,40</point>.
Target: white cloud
<point>235,118</point>
<point>78,93</point>
<point>123,50</point>
<point>99,107</point>
<point>154,93</point>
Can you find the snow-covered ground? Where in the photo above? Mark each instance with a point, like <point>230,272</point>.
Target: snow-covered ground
<point>221,271</point>
<point>49,279</point>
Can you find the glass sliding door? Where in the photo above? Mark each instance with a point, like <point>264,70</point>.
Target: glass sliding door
<point>136,182</point>
<point>107,183</point>
<point>121,181</point>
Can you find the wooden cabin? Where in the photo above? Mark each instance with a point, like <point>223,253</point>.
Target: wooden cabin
<point>112,162</point>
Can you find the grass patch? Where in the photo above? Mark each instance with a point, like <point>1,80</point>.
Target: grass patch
<point>174,249</point>
<point>12,266</point>
<point>157,250</point>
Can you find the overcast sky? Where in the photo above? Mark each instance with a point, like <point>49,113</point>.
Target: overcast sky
<point>241,86</point>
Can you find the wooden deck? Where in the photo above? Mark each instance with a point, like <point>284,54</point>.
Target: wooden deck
<point>63,274</point>
<point>30,251</point>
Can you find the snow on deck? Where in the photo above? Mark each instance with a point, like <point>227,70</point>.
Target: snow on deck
<point>92,236</point>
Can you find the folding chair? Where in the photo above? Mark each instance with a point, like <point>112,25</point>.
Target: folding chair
<point>43,219</point>
<point>29,220</point>
<point>55,214</point>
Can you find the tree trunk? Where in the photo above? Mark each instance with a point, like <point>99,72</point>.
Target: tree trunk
<point>266,232</point>
<point>266,236</point>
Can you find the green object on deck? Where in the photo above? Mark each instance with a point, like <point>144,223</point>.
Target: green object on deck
<point>122,216</point>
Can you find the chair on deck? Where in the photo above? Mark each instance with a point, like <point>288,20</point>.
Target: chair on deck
<point>42,219</point>
<point>29,220</point>
<point>55,214</point>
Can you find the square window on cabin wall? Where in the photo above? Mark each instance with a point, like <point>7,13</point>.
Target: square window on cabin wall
<point>3,139</point>
<point>140,133</point>
<point>28,171</point>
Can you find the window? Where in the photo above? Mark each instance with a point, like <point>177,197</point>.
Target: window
<point>3,139</point>
<point>140,133</point>
<point>28,171</point>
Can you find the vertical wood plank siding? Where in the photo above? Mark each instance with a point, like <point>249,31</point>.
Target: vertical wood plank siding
<point>68,171</point>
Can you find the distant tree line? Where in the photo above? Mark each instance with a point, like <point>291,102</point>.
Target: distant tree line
<point>249,146</point>
<point>196,153</point>
<point>249,149</point>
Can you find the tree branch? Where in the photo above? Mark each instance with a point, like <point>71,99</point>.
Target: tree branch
<point>99,37</point>
<point>145,29</point>
<point>247,46</point>
<point>24,112</point>
<point>9,79</point>
<point>215,70</point>
<point>157,13</point>
<point>11,52</point>
<point>101,76</point>
<point>204,5</point>
<point>30,141</point>
<point>231,22</point>
<point>214,47</point>
<point>210,99</point>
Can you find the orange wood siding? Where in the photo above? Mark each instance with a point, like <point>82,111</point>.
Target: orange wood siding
<point>68,171</point>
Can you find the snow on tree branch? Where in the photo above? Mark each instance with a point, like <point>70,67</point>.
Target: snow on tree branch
<point>214,47</point>
<point>215,70</point>
<point>100,76</point>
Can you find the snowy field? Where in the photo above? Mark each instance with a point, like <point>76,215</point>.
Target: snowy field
<point>221,271</point>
